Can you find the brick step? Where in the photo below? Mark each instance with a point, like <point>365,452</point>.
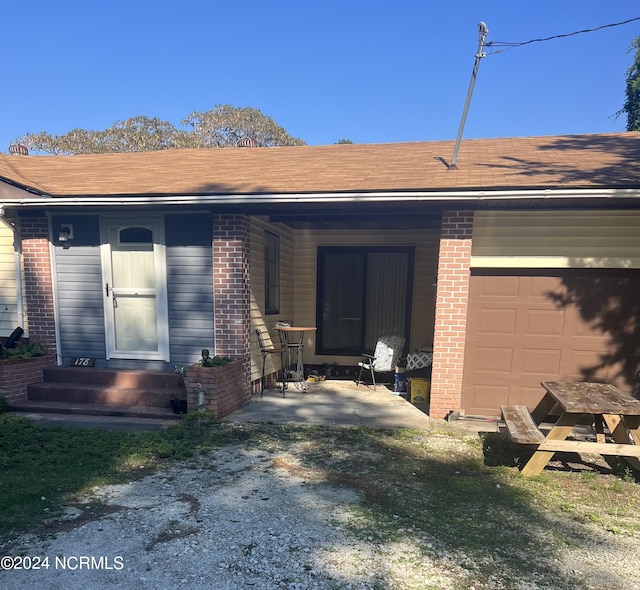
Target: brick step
<point>90,409</point>
<point>89,393</point>
<point>127,378</point>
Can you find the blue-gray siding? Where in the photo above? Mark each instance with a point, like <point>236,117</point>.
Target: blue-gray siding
<point>190,286</point>
<point>79,282</point>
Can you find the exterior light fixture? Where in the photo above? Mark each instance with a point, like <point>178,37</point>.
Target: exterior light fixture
<point>65,235</point>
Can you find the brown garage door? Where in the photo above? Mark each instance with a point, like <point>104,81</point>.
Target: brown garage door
<point>546,326</point>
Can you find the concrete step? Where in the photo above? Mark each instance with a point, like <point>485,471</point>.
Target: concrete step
<point>90,409</point>
<point>111,423</point>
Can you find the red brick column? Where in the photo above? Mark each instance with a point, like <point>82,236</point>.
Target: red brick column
<point>231,255</point>
<point>220,386</point>
<point>452,302</point>
<point>34,231</point>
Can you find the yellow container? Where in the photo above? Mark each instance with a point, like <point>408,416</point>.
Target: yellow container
<point>420,391</point>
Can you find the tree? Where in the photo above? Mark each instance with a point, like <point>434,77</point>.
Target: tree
<point>223,126</point>
<point>343,141</point>
<point>632,102</point>
<point>137,134</point>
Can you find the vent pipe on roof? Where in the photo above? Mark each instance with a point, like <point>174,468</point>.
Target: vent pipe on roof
<point>17,149</point>
<point>246,142</point>
<point>482,34</point>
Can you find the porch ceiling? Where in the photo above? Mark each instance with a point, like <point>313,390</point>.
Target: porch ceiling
<point>405,215</point>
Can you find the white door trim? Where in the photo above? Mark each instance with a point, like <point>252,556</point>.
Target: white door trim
<point>160,267</point>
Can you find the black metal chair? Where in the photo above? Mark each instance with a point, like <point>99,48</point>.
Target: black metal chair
<point>265,351</point>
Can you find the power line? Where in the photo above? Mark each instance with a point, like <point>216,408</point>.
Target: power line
<point>508,45</point>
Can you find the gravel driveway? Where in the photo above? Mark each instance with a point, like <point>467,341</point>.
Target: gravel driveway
<point>237,519</point>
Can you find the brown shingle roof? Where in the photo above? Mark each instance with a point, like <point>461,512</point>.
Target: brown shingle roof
<point>578,161</point>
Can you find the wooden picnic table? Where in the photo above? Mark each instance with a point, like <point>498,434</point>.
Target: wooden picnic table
<point>613,415</point>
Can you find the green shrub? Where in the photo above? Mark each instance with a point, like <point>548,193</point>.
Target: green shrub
<point>22,351</point>
<point>216,361</point>
<point>4,405</point>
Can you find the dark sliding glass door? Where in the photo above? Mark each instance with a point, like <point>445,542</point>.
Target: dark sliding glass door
<point>363,293</point>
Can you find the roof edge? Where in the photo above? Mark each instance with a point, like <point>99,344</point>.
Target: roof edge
<point>345,197</point>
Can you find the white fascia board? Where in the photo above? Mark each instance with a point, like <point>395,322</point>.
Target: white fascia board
<point>350,197</point>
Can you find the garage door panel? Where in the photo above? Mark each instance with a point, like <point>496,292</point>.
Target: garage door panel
<point>586,364</point>
<point>528,396</point>
<point>543,322</point>
<point>503,287</point>
<point>494,360</point>
<point>578,325</point>
<point>620,367</point>
<point>485,398</point>
<point>497,321</point>
<point>591,333</point>
<point>541,289</point>
<point>541,362</point>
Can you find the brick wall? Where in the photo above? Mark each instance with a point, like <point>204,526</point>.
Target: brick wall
<point>34,231</point>
<point>17,374</point>
<point>452,301</point>
<point>223,391</point>
<point>231,255</point>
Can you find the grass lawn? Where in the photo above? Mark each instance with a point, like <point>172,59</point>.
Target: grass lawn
<point>462,490</point>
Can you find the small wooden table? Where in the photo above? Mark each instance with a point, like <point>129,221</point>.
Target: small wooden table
<point>598,404</point>
<point>299,351</point>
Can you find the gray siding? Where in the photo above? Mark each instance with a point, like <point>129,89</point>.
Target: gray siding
<point>190,286</point>
<point>79,285</point>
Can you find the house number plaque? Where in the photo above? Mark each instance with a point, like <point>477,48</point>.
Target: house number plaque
<point>83,361</point>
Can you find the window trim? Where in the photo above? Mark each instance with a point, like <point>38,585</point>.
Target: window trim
<point>271,307</point>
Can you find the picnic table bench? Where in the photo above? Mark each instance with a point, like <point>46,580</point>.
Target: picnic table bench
<point>520,425</point>
<point>613,415</point>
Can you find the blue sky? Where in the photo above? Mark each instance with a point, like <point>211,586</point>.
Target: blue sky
<point>370,71</point>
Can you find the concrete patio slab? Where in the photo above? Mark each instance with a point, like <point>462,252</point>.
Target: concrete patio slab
<point>326,403</point>
<point>334,403</point>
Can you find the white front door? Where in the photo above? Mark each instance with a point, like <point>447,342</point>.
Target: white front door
<point>134,288</point>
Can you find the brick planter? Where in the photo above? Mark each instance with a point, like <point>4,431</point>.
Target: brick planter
<point>17,374</point>
<point>224,388</point>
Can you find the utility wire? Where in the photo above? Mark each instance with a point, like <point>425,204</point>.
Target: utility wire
<point>508,45</point>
